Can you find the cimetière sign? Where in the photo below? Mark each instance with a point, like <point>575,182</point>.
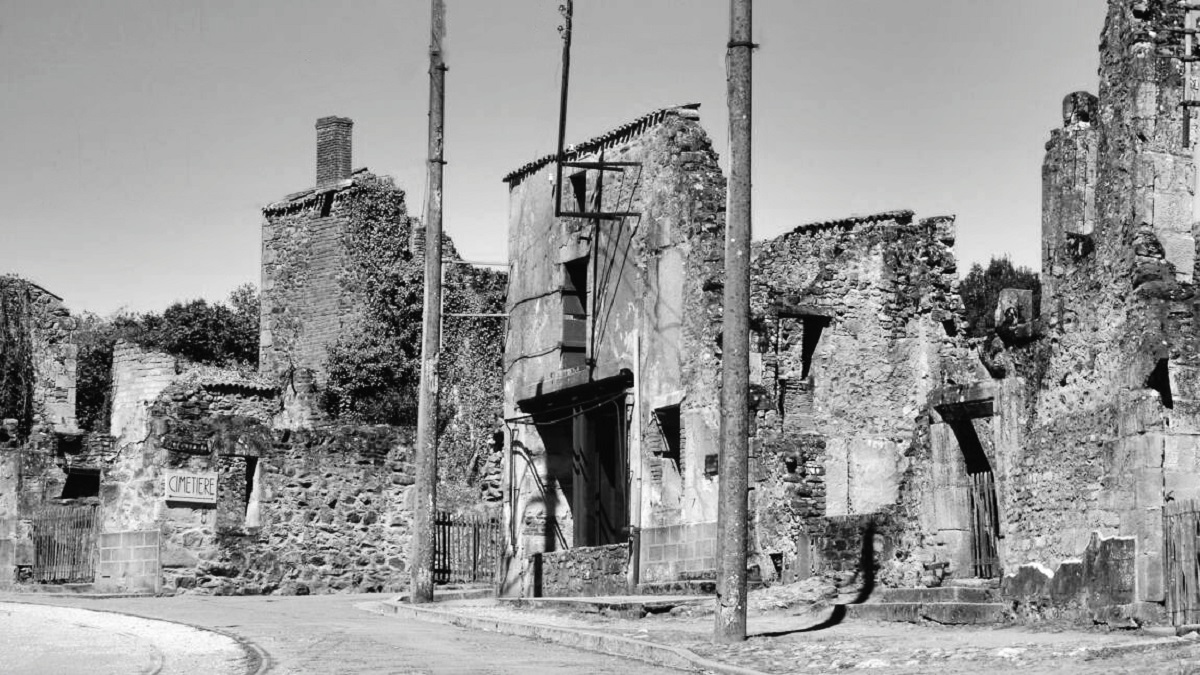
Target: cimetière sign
<point>191,486</point>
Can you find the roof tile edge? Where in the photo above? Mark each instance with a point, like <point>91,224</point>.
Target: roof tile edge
<point>617,135</point>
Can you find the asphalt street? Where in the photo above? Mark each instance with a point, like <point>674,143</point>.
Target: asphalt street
<point>327,635</point>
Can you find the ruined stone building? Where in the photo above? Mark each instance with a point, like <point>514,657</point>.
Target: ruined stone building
<point>856,323</point>
<point>611,363</point>
<point>236,481</point>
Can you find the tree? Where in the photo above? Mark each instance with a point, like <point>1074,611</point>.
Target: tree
<point>211,333</point>
<point>980,290</point>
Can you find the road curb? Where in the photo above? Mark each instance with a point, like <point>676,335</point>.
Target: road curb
<point>614,645</point>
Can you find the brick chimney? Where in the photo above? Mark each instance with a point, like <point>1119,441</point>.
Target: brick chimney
<point>333,150</point>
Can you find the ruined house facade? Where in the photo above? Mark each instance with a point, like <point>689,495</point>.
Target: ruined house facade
<point>612,360</point>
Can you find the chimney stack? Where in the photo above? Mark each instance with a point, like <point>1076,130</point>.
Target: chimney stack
<point>333,150</point>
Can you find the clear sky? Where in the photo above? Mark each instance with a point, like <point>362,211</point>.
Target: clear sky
<point>139,139</point>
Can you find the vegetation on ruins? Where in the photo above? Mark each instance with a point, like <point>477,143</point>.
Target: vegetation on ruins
<point>213,333</point>
<point>980,290</point>
<point>374,367</point>
<point>16,354</point>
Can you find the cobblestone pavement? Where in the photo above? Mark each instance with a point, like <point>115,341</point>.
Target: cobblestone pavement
<point>795,643</point>
<point>36,639</point>
<point>327,635</point>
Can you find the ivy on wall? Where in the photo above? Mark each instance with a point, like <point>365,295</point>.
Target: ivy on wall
<point>374,367</point>
<point>16,354</point>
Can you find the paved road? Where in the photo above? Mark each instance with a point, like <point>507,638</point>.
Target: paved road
<point>326,635</point>
<point>36,639</point>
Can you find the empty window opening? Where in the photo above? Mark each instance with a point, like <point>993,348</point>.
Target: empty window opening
<point>580,190</point>
<point>1160,381</point>
<point>813,326</point>
<point>669,426</point>
<point>80,484</point>
<point>253,492</point>
<point>327,204</point>
<point>575,314</point>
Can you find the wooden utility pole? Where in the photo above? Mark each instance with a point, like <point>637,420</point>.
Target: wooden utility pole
<point>735,345</point>
<point>421,562</point>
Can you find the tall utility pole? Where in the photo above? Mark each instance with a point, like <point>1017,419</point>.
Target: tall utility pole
<point>735,345</point>
<point>421,563</point>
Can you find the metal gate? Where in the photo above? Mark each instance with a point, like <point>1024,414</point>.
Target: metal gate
<point>1181,559</point>
<point>64,543</point>
<point>985,528</point>
<point>466,549</point>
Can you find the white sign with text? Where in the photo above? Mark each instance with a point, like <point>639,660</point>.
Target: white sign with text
<point>191,486</point>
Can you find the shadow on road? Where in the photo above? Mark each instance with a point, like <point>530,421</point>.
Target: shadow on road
<point>867,565</point>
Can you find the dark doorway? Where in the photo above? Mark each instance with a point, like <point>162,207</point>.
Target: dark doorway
<point>600,507</point>
<point>981,501</point>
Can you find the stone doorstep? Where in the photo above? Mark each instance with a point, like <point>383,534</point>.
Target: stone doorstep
<point>931,595</point>
<point>950,613</point>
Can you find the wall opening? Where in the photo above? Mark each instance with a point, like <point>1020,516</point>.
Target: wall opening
<point>666,445</point>
<point>813,327</point>
<point>575,313</point>
<point>253,492</point>
<point>579,190</point>
<point>1160,381</point>
<point>81,484</point>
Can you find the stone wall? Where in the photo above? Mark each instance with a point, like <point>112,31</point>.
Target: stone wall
<point>628,311</point>
<point>37,357</point>
<point>327,511</point>
<point>585,571</point>
<point>306,511</point>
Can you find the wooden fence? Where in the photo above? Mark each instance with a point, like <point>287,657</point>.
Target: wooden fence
<point>984,526</point>
<point>466,549</point>
<point>64,543</point>
<point>1181,560</point>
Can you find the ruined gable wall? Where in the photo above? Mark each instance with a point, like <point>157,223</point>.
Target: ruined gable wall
<point>39,363</point>
<point>843,442</point>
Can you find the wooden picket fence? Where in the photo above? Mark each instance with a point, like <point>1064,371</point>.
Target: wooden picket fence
<point>1181,560</point>
<point>466,549</point>
<point>64,543</point>
<point>984,526</point>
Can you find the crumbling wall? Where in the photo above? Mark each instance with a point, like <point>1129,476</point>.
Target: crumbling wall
<point>37,357</point>
<point>856,321</point>
<point>1104,408</point>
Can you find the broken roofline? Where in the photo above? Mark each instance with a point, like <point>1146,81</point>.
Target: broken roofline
<point>606,140</point>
